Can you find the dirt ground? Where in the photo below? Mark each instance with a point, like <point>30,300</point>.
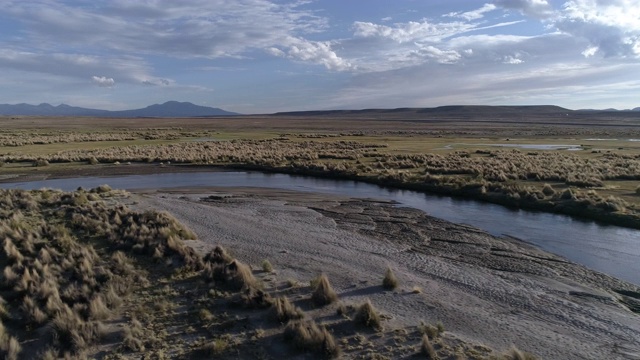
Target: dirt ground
<point>486,291</point>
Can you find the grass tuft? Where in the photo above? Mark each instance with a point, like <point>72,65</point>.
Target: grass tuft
<point>366,315</point>
<point>308,336</point>
<point>426,348</point>
<point>516,354</point>
<point>323,294</point>
<point>390,280</point>
<point>266,266</point>
<point>284,310</point>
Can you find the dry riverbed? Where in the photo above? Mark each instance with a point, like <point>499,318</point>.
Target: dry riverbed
<point>489,293</point>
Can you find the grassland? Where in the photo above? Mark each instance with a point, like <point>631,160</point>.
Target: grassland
<point>521,164</point>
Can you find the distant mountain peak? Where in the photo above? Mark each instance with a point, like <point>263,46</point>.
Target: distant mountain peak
<point>167,109</point>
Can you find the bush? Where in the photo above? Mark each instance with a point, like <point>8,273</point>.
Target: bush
<point>426,348</point>
<point>368,316</point>
<point>284,310</point>
<point>323,293</point>
<point>312,338</point>
<point>390,280</point>
<point>266,266</point>
<point>40,163</point>
<point>515,354</point>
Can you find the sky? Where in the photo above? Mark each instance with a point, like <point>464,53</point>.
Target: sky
<point>260,56</point>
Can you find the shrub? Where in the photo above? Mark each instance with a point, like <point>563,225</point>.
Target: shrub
<point>97,309</point>
<point>133,335</point>
<point>266,266</point>
<point>548,190</point>
<point>216,347</point>
<point>101,189</point>
<point>40,163</point>
<point>390,280</point>
<point>426,348</point>
<point>310,337</point>
<point>323,293</point>
<point>218,256</point>
<point>431,331</point>
<point>239,276</point>
<point>284,310</point>
<point>515,354</point>
<point>368,316</point>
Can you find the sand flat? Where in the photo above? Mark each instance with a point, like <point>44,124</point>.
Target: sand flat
<point>484,289</point>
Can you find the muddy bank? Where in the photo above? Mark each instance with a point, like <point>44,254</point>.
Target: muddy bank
<point>484,289</point>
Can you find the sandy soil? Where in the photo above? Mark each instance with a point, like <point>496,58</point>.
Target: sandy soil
<point>485,290</point>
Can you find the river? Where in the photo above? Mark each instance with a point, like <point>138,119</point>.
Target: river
<point>609,249</point>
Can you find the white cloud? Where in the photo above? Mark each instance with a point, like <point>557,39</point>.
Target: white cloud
<point>210,29</point>
<point>130,69</point>
<point>441,56</point>
<point>317,52</point>
<point>612,26</point>
<point>103,81</point>
<point>513,60</point>
<point>467,53</point>
<point>474,14</point>
<point>536,8</point>
<point>411,31</point>
<point>590,51</point>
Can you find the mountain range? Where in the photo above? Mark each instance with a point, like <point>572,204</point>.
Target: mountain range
<point>168,109</point>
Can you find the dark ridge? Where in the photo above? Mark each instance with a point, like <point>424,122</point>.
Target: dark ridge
<point>168,109</point>
<point>455,110</point>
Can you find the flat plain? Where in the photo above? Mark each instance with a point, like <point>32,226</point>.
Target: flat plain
<point>459,292</point>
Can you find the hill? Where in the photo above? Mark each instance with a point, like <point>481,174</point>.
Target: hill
<point>168,109</point>
<point>451,110</point>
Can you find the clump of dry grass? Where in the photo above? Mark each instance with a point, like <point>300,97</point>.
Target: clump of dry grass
<point>133,335</point>
<point>237,276</point>
<point>390,281</point>
<point>323,294</point>
<point>432,331</point>
<point>516,354</point>
<point>368,316</point>
<point>215,347</point>
<point>218,256</point>
<point>266,266</point>
<point>284,310</point>
<point>426,348</point>
<point>9,346</point>
<point>308,336</point>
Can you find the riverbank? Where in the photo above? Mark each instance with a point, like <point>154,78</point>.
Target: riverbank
<point>575,203</point>
<point>488,292</point>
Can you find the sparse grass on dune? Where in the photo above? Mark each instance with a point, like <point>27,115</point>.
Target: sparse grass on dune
<point>76,263</point>
<point>63,270</point>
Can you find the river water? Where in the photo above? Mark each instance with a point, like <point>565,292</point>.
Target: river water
<point>606,248</point>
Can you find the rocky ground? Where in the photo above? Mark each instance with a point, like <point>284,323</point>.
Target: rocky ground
<point>488,292</point>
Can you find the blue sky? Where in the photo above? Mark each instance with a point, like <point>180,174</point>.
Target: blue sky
<point>259,56</point>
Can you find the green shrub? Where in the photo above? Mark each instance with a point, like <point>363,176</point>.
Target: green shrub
<point>266,266</point>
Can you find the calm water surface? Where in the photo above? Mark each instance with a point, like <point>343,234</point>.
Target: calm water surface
<point>609,249</point>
